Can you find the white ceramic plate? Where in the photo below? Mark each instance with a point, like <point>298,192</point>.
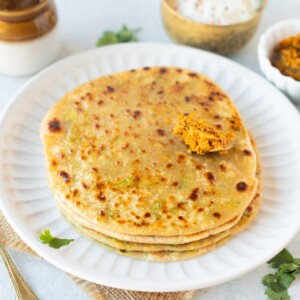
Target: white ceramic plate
<point>29,207</point>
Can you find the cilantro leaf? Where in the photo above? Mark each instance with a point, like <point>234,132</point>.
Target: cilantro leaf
<point>280,281</point>
<point>46,236</point>
<point>53,242</point>
<point>284,257</point>
<point>124,35</point>
<point>292,267</point>
<point>277,284</point>
<point>108,38</point>
<point>277,295</point>
<point>56,243</point>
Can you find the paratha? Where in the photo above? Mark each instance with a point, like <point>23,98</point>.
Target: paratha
<point>136,249</point>
<point>208,245</point>
<point>154,239</point>
<point>205,242</point>
<point>112,157</point>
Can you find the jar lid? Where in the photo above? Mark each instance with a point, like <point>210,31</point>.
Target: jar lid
<point>33,20</point>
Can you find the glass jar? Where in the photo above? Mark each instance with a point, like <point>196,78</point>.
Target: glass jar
<point>28,35</point>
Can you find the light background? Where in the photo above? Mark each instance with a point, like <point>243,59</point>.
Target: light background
<point>81,22</point>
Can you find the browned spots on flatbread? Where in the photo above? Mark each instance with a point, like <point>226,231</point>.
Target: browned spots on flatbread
<point>125,146</point>
<point>192,74</point>
<point>163,70</point>
<point>198,167</point>
<point>217,215</point>
<point>161,132</point>
<point>75,192</point>
<point>54,125</point>
<point>241,186</point>
<point>84,185</point>
<point>65,176</point>
<point>169,165</point>
<point>101,197</point>
<point>223,167</point>
<point>136,114</point>
<point>175,183</point>
<point>249,209</point>
<point>217,95</point>
<point>181,205</point>
<point>210,177</point>
<point>180,158</point>
<point>194,194</point>
<point>147,215</point>
<point>247,152</point>
<point>187,99</point>
<point>110,89</point>
<point>208,83</point>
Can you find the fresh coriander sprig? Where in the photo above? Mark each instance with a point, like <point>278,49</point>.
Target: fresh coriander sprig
<point>278,283</point>
<point>53,242</point>
<point>124,35</point>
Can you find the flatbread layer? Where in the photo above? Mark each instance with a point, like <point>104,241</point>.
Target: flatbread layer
<point>112,157</point>
<point>132,247</point>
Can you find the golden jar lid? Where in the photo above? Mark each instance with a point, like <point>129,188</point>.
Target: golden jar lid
<point>26,20</point>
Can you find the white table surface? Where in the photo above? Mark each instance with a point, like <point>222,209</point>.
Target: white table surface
<point>81,22</point>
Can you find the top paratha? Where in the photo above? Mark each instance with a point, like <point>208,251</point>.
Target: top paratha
<point>112,156</point>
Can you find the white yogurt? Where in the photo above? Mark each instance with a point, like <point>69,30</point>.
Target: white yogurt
<point>219,12</point>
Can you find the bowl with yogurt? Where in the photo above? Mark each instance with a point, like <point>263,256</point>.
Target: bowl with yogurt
<point>221,26</point>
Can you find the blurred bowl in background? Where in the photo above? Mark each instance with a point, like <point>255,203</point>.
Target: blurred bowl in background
<point>267,43</point>
<point>222,39</point>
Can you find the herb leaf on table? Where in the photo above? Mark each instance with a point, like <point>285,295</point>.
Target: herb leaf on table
<point>53,242</point>
<point>286,269</point>
<point>124,35</point>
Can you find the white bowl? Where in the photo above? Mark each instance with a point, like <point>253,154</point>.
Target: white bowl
<point>267,43</point>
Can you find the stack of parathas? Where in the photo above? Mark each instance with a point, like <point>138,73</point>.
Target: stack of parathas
<point>123,179</point>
